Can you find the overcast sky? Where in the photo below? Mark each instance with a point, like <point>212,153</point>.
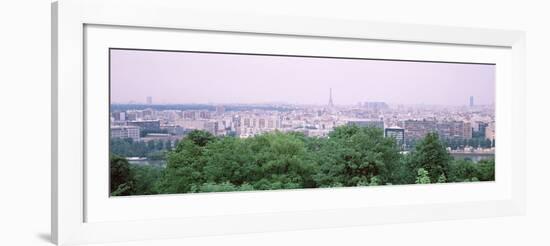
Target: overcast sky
<point>182,77</point>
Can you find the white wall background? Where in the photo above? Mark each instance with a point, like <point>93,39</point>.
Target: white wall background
<point>25,122</point>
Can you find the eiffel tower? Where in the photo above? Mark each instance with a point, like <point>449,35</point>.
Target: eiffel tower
<point>330,103</point>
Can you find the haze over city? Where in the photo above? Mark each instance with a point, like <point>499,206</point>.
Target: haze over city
<point>184,77</point>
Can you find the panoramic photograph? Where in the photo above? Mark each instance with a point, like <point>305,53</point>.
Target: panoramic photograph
<point>193,122</point>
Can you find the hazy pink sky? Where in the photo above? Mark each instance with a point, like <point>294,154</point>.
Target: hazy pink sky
<point>183,77</point>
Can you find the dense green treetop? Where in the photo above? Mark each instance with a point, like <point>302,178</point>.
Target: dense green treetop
<point>350,156</point>
<point>121,179</point>
<point>431,155</point>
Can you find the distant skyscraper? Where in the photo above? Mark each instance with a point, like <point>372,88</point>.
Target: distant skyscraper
<point>149,100</point>
<point>330,103</point>
<point>471,101</point>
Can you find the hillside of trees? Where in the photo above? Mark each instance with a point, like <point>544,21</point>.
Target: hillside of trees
<point>350,156</point>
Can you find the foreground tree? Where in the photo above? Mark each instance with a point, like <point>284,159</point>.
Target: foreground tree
<point>200,138</point>
<point>350,156</point>
<point>468,171</point>
<point>442,179</point>
<point>486,170</point>
<point>281,161</point>
<point>269,161</point>
<point>145,179</point>
<point>431,155</point>
<point>184,168</point>
<point>355,156</point>
<point>121,178</point>
<point>422,177</point>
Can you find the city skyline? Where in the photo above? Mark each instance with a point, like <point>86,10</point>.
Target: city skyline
<point>283,122</point>
<point>160,77</point>
<point>149,101</point>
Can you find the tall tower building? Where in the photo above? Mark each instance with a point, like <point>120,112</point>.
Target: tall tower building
<point>330,103</point>
<point>149,100</point>
<point>471,101</point>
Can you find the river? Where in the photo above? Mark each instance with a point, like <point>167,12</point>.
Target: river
<point>143,162</point>
<point>475,157</point>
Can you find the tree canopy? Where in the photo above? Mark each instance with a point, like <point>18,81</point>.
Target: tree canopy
<point>350,156</point>
<point>431,155</point>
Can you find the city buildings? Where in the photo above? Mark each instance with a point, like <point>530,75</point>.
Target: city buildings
<point>375,106</point>
<point>367,123</point>
<point>398,134</point>
<point>123,132</point>
<point>490,131</point>
<point>119,116</point>
<point>417,129</point>
<point>211,126</point>
<point>149,125</point>
<point>479,129</point>
<point>220,110</point>
<point>409,123</point>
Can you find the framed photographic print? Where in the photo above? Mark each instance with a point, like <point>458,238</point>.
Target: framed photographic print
<point>172,123</point>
